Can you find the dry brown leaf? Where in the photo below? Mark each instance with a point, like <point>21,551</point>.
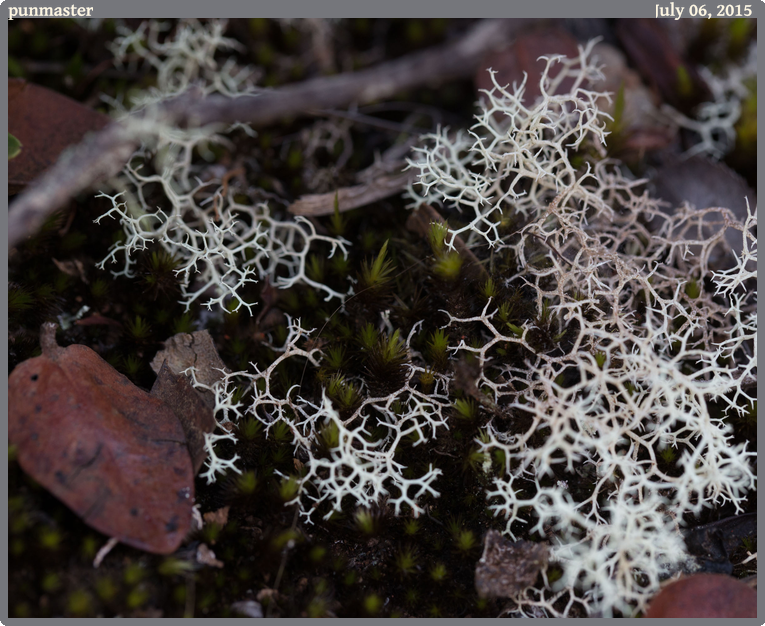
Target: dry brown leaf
<point>506,568</point>
<point>661,65</point>
<point>197,350</point>
<point>46,123</point>
<point>523,56</point>
<point>111,452</point>
<point>193,412</point>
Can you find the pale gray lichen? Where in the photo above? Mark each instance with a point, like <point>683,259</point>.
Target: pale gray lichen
<point>648,352</point>
<point>220,243</point>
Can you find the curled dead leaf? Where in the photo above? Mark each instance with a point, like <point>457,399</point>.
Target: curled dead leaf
<point>506,568</point>
<point>196,350</point>
<point>191,409</point>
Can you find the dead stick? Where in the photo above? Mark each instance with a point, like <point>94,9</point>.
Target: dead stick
<point>349,198</point>
<point>102,155</point>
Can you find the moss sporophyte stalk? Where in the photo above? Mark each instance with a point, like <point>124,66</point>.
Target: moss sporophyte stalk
<point>575,381</point>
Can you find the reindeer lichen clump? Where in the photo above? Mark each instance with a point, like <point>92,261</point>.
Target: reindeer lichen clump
<point>645,340</point>
<point>222,244</point>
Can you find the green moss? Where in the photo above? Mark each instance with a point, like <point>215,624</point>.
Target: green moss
<point>288,488</point>
<point>406,560</point>
<point>364,520</point>
<point>137,597</point>
<point>439,572</point>
<point>465,541</point>
<point>106,588</point>
<point>50,538</point>
<point>90,546</point>
<point>133,574</point>
<point>372,604</point>
<point>19,300</point>
<point>174,567</point>
<point>346,395</point>
<point>250,428</point>
<point>668,454</point>
<point>139,329</point>
<point>247,483</point>
<point>554,574</point>
<point>318,553</point>
<point>448,266</point>
<point>375,275</point>
<point>51,582</point>
<point>437,348</point>
<point>79,603</point>
<point>466,408</point>
<point>412,526</point>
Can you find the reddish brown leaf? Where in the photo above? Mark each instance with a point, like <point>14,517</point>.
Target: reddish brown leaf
<point>98,320</point>
<point>523,56</point>
<point>660,64</point>
<point>704,595</point>
<point>194,414</point>
<point>46,123</point>
<point>111,452</point>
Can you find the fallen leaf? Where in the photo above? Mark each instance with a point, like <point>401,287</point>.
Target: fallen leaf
<point>197,350</point>
<point>193,412</point>
<point>704,595</point>
<point>111,452</point>
<point>635,126</point>
<point>710,545</point>
<point>522,56</point>
<point>661,64</point>
<point>98,320</point>
<point>73,268</point>
<point>506,568</point>
<point>46,123</point>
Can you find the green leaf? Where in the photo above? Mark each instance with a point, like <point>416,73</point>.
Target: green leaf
<point>14,147</point>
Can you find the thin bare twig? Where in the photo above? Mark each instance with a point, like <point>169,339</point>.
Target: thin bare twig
<point>380,180</point>
<point>102,155</point>
<point>352,197</point>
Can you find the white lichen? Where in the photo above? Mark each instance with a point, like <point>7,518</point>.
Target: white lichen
<point>221,243</point>
<point>643,344</point>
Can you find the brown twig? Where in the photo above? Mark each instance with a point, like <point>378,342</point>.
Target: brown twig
<point>352,197</point>
<point>102,155</point>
